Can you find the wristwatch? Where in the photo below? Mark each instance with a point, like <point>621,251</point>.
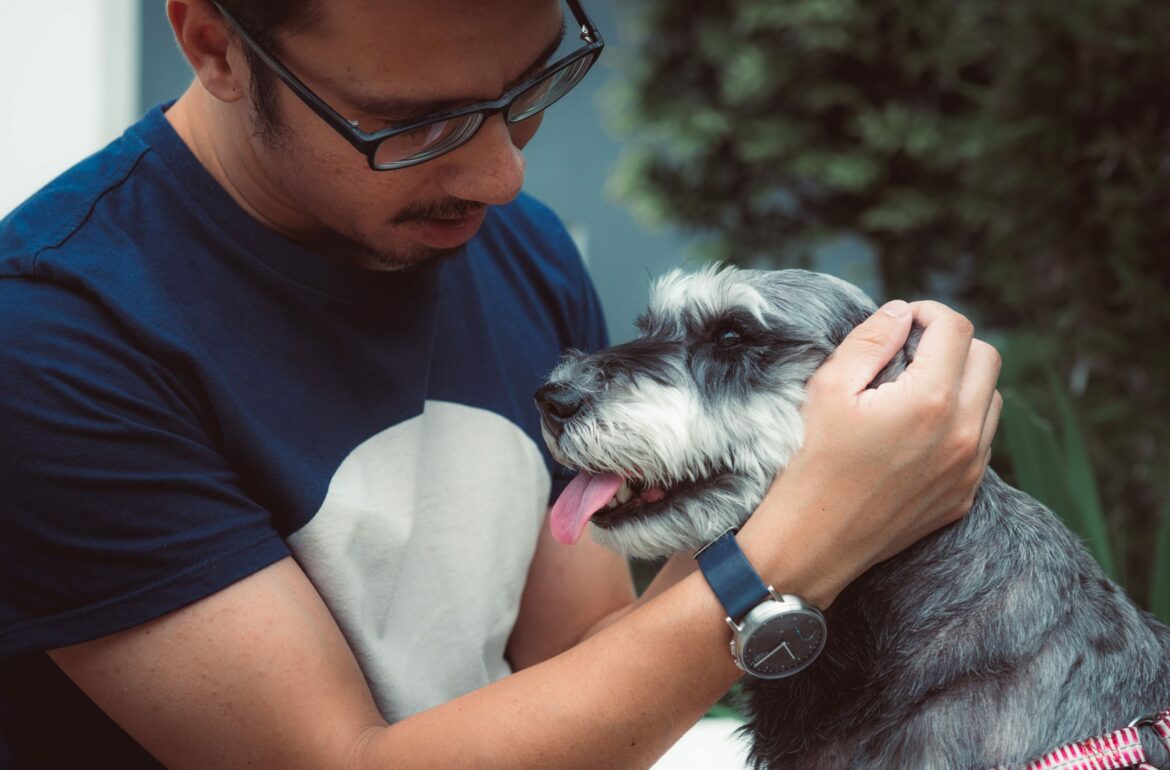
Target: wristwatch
<point>772,635</point>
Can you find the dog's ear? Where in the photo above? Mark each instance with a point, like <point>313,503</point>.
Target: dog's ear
<point>900,361</point>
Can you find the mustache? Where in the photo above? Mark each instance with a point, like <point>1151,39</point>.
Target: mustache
<point>448,208</point>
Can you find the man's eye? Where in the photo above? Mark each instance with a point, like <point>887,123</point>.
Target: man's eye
<point>423,136</point>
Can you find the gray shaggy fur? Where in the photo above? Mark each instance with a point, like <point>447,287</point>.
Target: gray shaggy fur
<point>988,643</point>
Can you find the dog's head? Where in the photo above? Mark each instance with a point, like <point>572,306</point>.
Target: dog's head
<point>678,433</point>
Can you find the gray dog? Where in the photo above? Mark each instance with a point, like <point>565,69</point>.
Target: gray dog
<point>989,643</point>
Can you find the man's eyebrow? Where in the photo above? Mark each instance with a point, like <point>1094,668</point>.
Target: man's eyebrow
<point>408,109</point>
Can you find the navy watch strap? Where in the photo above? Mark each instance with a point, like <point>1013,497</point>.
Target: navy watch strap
<point>731,576</point>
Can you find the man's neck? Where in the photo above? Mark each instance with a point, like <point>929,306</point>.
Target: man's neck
<point>201,122</point>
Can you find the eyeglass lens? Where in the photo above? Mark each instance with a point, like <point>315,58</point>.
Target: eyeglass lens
<point>544,92</point>
<point>434,139</point>
<point>426,141</point>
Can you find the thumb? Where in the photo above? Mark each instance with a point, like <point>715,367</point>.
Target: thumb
<point>870,346</point>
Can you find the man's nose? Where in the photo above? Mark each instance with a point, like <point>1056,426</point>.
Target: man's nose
<point>489,168</point>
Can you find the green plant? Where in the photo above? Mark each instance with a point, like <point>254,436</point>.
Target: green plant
<point>1051,462</point>
<point>1049,466</point>
<point>1012,156</point>
<point>1160,580</point>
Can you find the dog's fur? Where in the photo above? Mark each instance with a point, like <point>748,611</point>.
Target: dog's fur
<point>988,643</point>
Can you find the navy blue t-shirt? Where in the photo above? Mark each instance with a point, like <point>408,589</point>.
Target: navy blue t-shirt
<point>187,397</point>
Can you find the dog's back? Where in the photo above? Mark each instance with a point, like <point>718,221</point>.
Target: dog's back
<point>987,644</point>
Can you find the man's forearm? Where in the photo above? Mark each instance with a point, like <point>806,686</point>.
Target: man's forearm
<point>674,570</point>
<point>618,699</point>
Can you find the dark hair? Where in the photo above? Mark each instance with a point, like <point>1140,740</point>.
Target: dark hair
<point>264,19</point>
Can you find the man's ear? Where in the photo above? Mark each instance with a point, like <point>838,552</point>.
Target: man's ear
<point>203,36</point>
<point>901,360</point>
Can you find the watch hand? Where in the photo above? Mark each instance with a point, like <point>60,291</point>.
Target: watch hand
<point>781,646</point>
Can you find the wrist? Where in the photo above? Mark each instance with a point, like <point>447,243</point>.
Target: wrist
<point>790,551</point>
<point>773,635</point>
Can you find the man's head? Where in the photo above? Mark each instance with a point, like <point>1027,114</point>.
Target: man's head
<point>377,64</point>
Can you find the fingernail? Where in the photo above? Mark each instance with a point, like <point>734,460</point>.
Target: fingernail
<point>897,308</point>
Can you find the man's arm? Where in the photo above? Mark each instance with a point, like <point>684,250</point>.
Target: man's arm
<point>569,590</point>
<point>259,674</point>
<point>574,591</point>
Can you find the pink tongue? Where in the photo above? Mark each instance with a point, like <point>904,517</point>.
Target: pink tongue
<point>585,496</point>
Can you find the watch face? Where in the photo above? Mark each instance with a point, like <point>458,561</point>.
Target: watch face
<point>777,642</point>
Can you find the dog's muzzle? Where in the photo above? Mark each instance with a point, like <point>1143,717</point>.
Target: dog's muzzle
<point>558,402</point>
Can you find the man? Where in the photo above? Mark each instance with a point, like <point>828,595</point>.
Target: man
<point>273,491</point>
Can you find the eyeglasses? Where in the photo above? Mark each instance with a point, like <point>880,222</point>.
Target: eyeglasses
<point>417,141</point>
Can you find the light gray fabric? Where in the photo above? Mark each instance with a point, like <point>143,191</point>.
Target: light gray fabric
<point>421,550</point>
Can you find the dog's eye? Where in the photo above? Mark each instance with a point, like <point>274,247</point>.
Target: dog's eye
<point>728,337</point>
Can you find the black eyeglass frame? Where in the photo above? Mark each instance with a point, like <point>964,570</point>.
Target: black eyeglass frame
<point>367,143</point>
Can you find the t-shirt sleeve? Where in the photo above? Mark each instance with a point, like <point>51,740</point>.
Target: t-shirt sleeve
<point>117,505</point>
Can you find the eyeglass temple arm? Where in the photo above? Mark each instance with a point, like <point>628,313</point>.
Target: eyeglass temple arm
<point>348,128</point>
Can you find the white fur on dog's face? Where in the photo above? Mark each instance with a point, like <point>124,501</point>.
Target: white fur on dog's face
<point>705,404</point>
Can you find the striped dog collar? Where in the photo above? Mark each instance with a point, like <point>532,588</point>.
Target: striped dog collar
<point>1113,751</point>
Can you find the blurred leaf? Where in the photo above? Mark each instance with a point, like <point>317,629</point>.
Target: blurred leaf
<point>1031,443</point>
<point>745,77</point>
<point>839,171</point>
<point>1081,478</point>
<point>1160,580</point>
<point>900,210</point>
<point>1049,468</point>
<point>723,711</point>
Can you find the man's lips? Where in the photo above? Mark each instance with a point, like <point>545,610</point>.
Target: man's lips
<point>446,233</point>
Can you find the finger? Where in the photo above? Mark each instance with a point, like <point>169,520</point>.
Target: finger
<point>942,352</point>
<point>990,425</point>
<point>979,377</point>
<point>977,393</point>
<point>869,347</point>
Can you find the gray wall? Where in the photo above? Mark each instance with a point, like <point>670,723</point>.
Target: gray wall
<point>568,162</point>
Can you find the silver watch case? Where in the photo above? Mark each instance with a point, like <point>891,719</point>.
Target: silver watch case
<point>778,637</point>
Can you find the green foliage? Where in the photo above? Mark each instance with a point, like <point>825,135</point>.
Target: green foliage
<point>724,710</point>
<point>1012,155</point>
<point>1052,464</point>
<point>1160,580</point>
<point>1054,467</point>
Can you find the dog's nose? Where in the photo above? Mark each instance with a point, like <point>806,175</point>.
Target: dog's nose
<point>558,402</point>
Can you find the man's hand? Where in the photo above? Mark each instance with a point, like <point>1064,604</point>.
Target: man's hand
<point>882,468</point>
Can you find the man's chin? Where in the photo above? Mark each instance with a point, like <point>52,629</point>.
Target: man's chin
<point>422,255</point>
<point>372,256</point>
<point>443,232</point>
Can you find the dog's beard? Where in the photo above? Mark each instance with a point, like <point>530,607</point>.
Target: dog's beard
<point>696,469</point>
<point>685,521</point>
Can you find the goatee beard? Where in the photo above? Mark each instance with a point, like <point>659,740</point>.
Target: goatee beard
<point>368,257</point>
<point>449,208</point>
<point>353,248</point>
<point>401,261</point>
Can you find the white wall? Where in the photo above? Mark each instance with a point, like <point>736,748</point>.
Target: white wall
<point>68,85</point>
